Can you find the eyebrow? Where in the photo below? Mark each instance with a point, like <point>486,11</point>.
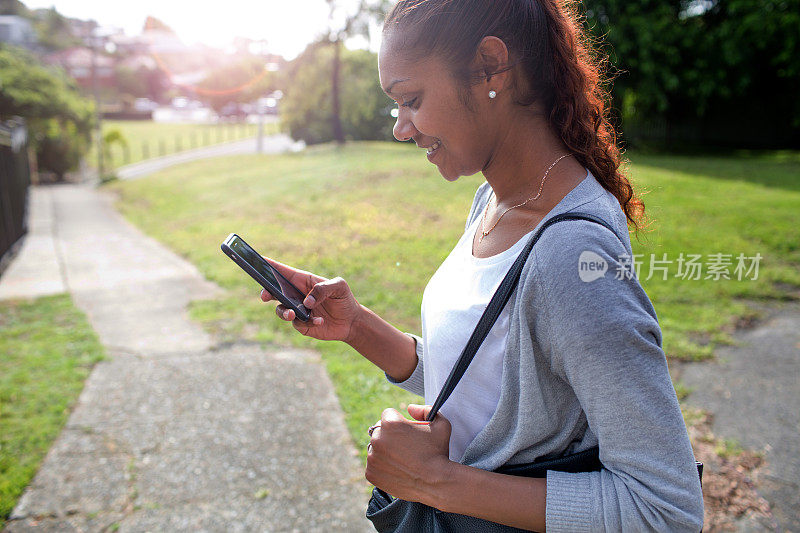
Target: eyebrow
<point>388,90</point>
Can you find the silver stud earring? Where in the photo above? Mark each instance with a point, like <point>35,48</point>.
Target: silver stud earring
<point>492,94</point>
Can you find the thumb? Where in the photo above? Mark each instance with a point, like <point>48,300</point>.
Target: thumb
<point>331,288</point>
<point>419,412</point>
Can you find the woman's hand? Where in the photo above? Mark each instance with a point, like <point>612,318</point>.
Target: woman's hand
<point>409,459</point>
<point>331,303</point>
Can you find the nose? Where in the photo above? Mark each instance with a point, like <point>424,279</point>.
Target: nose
<point>403,129</point>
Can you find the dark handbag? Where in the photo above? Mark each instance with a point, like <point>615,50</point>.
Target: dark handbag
<point>391,514</point>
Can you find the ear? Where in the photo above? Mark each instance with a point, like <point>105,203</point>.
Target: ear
<point>491,60</point>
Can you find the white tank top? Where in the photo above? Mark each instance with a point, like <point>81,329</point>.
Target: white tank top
<point>453,302</point>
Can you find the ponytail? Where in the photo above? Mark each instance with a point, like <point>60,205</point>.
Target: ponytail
<point>553,55</point>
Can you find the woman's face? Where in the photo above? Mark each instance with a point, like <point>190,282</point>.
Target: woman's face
<point>432,113</point>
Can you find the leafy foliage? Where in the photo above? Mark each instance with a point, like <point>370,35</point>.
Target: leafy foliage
<point>344,22</point>
<point>733,62</point>
<point>59,118</point>
<point>53,30</point>
<point>142,82</point>
<point>306,105</point>
<point>14,7</point>
<point>113,137</point>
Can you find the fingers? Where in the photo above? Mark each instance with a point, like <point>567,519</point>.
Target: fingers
<point>285,314</point>
<point>419,412</point>
<point>331,288</point>
<point>289,316</point>
<point>441,425</point>
<point>374,437</point>
<point>389,419</point>
<point>392,418</point>
<point>301,278</point>
<point>438,424</point>
<point>391,415</point>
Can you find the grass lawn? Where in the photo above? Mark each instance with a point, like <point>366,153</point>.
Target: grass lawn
<point>147,139</point>
<point>380,216</point>
<point>47,350</point>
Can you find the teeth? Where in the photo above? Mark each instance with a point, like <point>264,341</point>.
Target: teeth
<point>434,147</point>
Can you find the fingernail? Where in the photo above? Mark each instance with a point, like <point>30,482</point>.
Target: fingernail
<point>309,301</point>
<point>318,321</point>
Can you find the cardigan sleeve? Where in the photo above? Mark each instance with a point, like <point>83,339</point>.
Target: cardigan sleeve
<point>416,382</point>
<point>603,339</point>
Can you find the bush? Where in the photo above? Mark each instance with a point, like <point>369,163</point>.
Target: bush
<point>59,119</point>
<point>60,147</point>
<point>306,105</point>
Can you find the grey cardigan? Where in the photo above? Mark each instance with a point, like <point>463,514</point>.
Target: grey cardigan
<point>584,366</point>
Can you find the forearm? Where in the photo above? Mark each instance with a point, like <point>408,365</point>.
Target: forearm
<point>510,500</point>
<point>387,347</point>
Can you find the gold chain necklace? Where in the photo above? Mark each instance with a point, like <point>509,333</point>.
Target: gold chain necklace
<point>483,220</point>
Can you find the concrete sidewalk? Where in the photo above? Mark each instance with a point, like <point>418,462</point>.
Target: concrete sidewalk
<point>173,433</point>
<point>36,271</point>
<point>753,391</point>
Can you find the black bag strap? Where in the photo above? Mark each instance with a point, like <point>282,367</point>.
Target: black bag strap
<point>496,305</point>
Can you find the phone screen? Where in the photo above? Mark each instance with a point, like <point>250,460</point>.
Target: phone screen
<point>244,251</point>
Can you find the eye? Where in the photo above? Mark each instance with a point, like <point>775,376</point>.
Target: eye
<point>410,103</point>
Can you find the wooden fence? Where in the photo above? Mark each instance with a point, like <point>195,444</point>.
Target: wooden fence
<point>15,178</point>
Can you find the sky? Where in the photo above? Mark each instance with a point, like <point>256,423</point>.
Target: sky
<point>287,25</point>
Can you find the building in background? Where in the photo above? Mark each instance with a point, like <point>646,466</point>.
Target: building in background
<point>77,63</point>
<point>17,31</point>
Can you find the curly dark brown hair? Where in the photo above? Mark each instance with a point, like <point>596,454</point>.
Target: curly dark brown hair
<point>561,66</point>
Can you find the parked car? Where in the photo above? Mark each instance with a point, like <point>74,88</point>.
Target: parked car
<point>182,102</point>
<point>144,105</point>
<point>235,111</point>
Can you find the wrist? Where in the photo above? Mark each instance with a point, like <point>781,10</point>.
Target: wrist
<point>441,483</point>
<point>382,344</point>
<point>357,327</point>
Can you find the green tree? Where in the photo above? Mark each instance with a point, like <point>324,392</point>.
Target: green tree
<point>59,119</point>
<point>53,30</point>
<point>343,24</point>
<point>365,108</point>
<point>307,102</point>
<point>131,82</point>
<point>14,7</point>
<point>732,63</point>
<point>113,138</point>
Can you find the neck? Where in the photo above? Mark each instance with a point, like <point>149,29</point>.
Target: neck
<point>519,160</point>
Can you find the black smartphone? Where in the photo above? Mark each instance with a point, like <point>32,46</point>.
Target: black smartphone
<point>268,277</point>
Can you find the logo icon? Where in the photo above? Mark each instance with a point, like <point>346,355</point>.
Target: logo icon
<point>591,266</point>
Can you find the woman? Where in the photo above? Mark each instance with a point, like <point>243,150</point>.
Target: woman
<point>507,88</point>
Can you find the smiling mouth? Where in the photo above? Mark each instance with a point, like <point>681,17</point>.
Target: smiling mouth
<point>435,146</point>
